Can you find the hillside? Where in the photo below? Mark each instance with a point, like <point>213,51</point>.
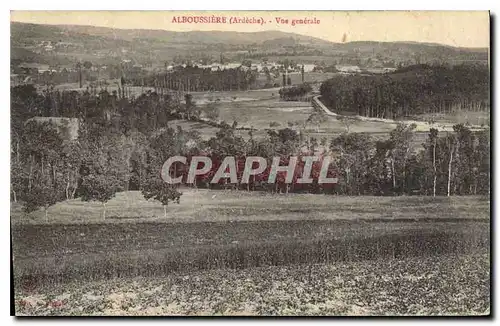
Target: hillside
<point>204,37</point>
<point>98,43</point>
<point>56,32</point>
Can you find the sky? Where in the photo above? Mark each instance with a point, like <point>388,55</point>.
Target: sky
<point>456,28</point>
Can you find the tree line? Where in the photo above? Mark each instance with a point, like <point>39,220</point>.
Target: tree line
<point>146,112</point>
<point>412,90</point>
<point>295,93</point>
<point>196,79</point>
<point>104,160</point>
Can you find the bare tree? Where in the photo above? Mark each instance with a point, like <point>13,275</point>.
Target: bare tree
<point>347,122</point>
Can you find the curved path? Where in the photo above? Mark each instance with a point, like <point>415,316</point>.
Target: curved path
<point>421,125</point>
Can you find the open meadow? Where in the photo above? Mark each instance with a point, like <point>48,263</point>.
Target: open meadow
<point>203,205</point>
<point>263,110</point>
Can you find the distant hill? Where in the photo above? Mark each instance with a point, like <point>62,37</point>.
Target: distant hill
<point>55,32</point>
<point>406,44</point>
<point>101,43</point>
<point>24,55</point>
<point>401,51</point>
<point>22,33</point>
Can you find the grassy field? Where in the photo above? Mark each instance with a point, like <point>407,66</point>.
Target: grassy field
<point>349,255</point>
<point>259,108</point>
<point>226,205</point>
<point>260,113</point>
<point>263,110</point>
<point>58,253</point>
<point>235,96</point>
<point>465,117</point>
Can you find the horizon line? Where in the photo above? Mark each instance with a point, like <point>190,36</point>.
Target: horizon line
<point>249,32</point>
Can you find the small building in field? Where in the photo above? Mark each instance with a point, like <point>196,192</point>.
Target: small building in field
<point>387,69</point>
<point>348,69</point>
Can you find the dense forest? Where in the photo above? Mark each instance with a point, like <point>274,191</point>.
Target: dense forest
<point>123,141</point>
<point>412,90</point>
<point>195,79</point>
<point>146,112</point>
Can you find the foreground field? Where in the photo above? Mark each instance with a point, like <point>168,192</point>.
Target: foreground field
<point>58,253</point>
<point>227,252</point>
<point>242,230</point>
<point>226,205</point>
<point>450,285</point>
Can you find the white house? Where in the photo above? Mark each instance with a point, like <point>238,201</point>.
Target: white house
<point>348,69</point>
<point>309,67</point>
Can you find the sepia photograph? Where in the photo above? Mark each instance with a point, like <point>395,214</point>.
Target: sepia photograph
<point>250,163</point>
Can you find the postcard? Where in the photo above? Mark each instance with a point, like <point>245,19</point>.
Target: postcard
<point>250,163</point>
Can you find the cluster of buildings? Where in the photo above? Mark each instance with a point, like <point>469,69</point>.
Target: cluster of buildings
<point>353,69</point>
<point>29,72</point>
<point>50,46</point>
<point>258,67</point>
